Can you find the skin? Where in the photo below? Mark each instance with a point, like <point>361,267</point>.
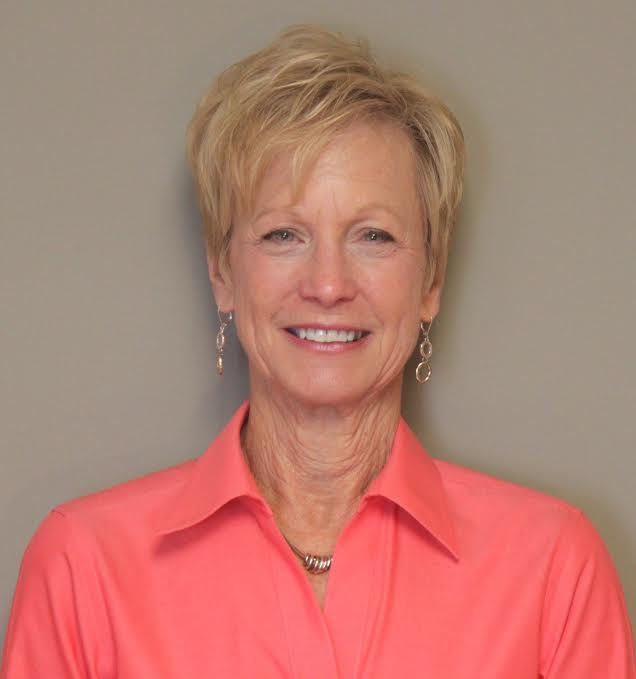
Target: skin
<point>348,251</point>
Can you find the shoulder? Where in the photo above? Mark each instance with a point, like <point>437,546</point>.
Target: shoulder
<point>135,497</point>
<point>118,514</point>
<point>496,503</point>
<point>530,528</point>
<point>82,558</point>
<point>550,552</point>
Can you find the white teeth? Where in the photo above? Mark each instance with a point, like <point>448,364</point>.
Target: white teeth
<point>324,335</point>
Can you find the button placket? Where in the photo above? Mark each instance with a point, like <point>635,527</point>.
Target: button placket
<point>350,600</point>
<point>311,647</point>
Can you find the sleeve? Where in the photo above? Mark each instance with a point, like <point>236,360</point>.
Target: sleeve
<point>585,628</point>
<point>51,629</point>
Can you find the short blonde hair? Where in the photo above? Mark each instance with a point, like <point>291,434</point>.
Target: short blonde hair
<point>294,96</point>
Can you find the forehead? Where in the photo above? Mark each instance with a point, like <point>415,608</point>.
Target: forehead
<point>363,162</point>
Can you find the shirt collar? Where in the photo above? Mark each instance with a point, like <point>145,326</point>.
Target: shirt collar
<point>409,478</point>
<point>219,475</point>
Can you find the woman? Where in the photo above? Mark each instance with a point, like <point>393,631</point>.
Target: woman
<point>315,537</point>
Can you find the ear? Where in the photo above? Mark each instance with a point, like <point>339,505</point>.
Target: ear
<point>429,307</point>
<point>222,286</point>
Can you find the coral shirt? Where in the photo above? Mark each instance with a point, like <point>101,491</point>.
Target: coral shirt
<point>442,573</point>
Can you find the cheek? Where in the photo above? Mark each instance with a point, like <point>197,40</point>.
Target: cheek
<point>396,289</point>
<point>260,284</point>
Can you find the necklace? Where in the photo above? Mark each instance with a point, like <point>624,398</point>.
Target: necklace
<point>312,562</point>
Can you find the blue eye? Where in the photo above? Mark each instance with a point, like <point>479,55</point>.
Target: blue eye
<point>281,235</point>
<point>378,236</point>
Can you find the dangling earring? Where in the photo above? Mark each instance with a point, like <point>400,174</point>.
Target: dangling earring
<point>423,370</point>
<point>220,338</point>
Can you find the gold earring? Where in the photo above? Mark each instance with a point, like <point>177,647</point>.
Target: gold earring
<point>220,338</point>
<point>423,370</point>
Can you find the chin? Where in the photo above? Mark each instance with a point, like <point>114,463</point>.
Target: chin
<point>325,389</point>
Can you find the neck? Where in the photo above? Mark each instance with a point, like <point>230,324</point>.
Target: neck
<point>314,463</point>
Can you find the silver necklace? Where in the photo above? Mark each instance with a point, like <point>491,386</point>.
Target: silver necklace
<point>312,563</point>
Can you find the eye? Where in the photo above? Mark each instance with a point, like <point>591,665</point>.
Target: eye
<point>377,236</point>
<point>280,235</point>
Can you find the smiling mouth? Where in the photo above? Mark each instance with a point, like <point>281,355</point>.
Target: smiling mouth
<point>325,335</point>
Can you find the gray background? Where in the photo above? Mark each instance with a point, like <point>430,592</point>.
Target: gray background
<point>107,321</point>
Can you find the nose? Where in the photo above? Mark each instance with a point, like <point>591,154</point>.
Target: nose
<point>328,275</point>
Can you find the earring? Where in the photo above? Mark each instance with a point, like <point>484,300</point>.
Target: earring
<point>423,370</point>
<point>220,338</point>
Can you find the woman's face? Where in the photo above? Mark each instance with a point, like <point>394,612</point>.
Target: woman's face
<point>343,262</point>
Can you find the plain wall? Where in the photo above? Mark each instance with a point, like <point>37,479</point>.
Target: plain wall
<point>107,322</point>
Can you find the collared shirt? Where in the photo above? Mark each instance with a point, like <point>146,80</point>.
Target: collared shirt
<point>442,573</point>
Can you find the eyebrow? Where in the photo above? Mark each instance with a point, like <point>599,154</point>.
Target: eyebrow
<point>294,211</point>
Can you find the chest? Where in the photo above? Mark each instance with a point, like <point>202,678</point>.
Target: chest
<point>318,584</point>
<point>238,604</point>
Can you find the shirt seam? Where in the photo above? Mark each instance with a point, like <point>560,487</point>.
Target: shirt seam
<point>573,518</point>
<point>100,630</point>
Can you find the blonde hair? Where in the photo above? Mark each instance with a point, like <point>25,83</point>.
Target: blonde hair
<point>294,96</point>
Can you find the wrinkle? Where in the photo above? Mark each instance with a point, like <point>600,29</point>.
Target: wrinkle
<point>313,464</point>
